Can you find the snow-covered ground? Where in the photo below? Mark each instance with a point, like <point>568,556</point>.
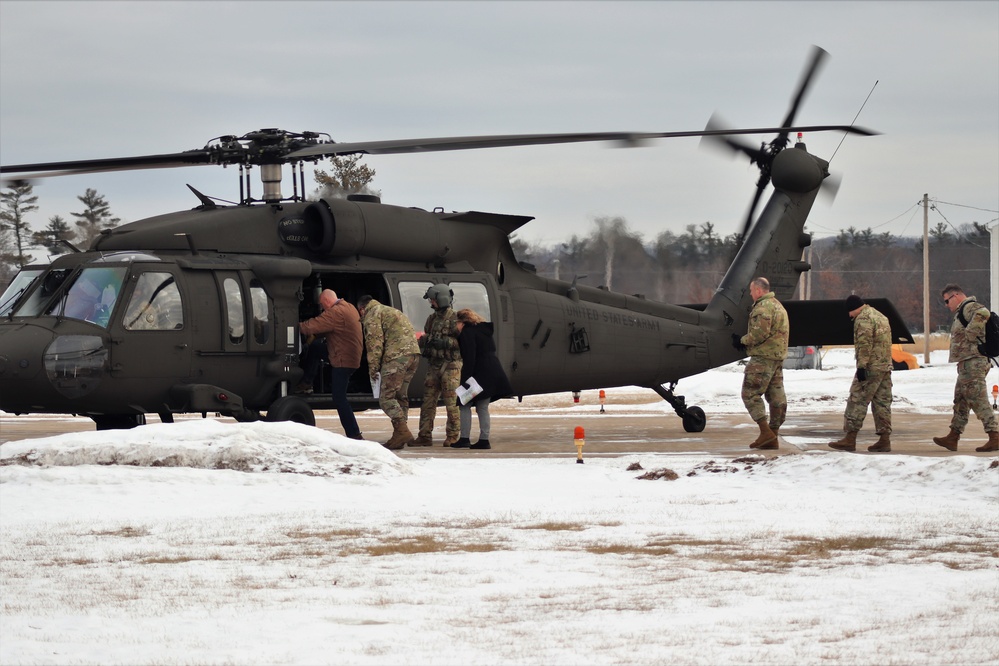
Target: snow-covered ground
<point>207,542</point>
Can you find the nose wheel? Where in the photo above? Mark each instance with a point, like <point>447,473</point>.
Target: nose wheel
<point>693,417</point>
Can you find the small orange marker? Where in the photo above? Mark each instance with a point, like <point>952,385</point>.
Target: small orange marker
<point>603,399</point>
<point>575,397</point>
<point>995,395</point>
<point>579,437</point>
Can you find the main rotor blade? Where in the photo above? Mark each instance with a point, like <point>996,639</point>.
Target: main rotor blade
<point>233,150</point>
<point>165,161</point>
<point>627,139</point>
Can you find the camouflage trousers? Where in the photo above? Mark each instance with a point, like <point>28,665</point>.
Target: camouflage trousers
<point>440,384</point>
<point>876,392</point>
<point>971,392</point>
<point>394,395</point>
<point>765,378</point>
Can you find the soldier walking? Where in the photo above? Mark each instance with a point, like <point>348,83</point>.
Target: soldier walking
<point>872,381</point>
<point>393,356</point>
<point>440,346</point>
<point>970,392</point>
<point>766,345</point>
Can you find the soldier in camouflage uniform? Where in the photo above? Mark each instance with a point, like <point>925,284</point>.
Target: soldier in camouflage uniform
<point>970,392</point>
<point>766,345</point>
<point>872,382</point>
<point>394,354</point>
<point>440,346</point>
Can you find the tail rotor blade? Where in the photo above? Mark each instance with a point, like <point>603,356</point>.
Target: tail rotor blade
<point>819,56</point>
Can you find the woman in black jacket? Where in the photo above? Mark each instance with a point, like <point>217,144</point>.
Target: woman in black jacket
<point>478,361</point>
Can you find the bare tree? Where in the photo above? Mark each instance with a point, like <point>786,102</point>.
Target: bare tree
<point>348,176</point>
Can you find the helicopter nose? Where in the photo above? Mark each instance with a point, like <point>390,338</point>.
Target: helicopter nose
<point>38,367</point>
<point>21,348</point>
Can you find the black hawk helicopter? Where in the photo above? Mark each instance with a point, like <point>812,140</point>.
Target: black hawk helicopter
<point>198,311</point>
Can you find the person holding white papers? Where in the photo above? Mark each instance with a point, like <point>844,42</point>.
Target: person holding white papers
<point>482,377</point>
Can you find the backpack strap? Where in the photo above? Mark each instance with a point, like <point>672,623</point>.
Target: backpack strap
<point>960,312</point>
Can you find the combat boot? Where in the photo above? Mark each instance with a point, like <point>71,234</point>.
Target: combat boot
<point>422,440</point>
<point>767,439</point>
<point>848,443</point>
<point>451,439</point>
<point>992,444</point>
<point>401,436</point>
<point>883,445</point>
<point>950,441</point>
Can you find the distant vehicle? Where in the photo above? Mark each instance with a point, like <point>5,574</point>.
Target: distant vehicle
<point>805,357</point>
<point>902,360</point>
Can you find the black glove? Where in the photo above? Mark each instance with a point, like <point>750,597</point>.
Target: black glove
<point>437,343</point>
<point>737,342</point>
<point>861,375</point>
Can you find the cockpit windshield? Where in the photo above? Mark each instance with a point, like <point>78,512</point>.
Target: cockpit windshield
<point>92,295</point>
<point>20,284</point>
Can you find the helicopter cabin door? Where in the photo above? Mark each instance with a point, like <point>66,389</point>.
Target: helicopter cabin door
<point>151,333</point>
<point>475,291</point>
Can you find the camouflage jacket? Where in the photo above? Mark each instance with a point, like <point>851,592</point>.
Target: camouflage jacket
<point>964,339</point>
<point>768,329</point>
<point>440,344</point>
<point>872,340</point>
<point>388,335</point>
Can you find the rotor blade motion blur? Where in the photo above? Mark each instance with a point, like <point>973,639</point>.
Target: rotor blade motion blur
<point>272,146</point>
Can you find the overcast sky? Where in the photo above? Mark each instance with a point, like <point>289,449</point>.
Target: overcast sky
<point>83,80</point>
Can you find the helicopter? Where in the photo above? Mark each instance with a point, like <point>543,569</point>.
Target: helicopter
<point>198,310</point>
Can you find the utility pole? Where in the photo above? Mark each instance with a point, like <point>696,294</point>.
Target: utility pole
<point>926,279</point>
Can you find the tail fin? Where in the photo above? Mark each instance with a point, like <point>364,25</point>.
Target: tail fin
<point>773,248</point>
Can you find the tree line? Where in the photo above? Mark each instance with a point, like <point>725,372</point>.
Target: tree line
<point>686,268</point>
<point>17,239</point>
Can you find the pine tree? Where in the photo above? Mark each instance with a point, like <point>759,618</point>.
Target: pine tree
<point>15,203</point>
<point>95,218</point>
<point>51,237</point>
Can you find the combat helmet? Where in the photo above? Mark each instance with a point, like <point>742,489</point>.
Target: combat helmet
<point>440,293</point>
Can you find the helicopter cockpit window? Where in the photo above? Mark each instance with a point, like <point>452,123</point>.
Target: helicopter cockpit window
<point>412,304</point>
<point>155,304</point>
<point>36,300</point>
<point>20,284</point>
<point>471,295</point>
<point>234,310</point>
<point>261,312</point>
<point>92,295</point>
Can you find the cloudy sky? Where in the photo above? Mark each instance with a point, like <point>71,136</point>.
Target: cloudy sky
<point>82,80</point>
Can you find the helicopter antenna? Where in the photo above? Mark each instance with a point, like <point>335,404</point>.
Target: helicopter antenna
<point>854,121</point>
<point>72,248</point>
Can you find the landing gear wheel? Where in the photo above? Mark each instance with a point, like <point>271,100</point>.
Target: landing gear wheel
<point>694,419</point>
<point>291,408</point>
